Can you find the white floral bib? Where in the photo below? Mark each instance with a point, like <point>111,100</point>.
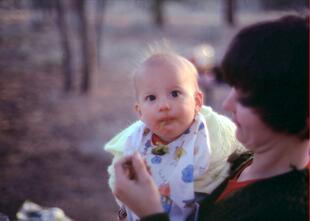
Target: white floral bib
<point>174,166</point>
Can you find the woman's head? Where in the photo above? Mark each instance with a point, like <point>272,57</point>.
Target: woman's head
<point>267,63</point>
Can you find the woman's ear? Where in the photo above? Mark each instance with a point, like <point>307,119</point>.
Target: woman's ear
<point>198,101</point>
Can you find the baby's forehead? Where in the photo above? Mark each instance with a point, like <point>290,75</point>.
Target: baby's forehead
<point>163,59</point>
<point>167,61</point>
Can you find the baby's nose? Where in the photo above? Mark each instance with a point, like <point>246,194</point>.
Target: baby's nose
<point>164,105</point>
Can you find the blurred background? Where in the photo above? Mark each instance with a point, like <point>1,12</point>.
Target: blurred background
<point>65,86</point>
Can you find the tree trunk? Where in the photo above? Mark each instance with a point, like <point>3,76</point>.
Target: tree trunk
<point>99,27</point>
<point>230,8</point>
<point>88,38</point>
<point>158,13</point>
<point>64,37</point>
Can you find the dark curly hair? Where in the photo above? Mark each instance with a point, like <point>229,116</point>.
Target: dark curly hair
<point>268,63</point>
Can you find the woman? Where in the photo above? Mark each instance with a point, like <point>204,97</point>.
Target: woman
<point>267,67</point>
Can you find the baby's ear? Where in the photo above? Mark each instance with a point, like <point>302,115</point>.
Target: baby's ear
<point>198,101</point>
<point>138,110</point>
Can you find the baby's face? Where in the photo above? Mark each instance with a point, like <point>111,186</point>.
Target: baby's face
<point>167,100</point>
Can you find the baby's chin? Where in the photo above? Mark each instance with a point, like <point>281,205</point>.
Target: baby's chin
<point>168,138</point>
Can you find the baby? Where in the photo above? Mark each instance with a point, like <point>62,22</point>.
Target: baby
<point>173,134</point>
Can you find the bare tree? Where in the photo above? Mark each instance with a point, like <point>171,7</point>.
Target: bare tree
<point>64,37</point>
<point>158,12</point>
<point>99,27</point>
<point>89,22</point>
<point>229,13</point>
<point>88,42</point>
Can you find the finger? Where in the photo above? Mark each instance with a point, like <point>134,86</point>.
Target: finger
<point>121,177</point>
<point>121,170</point>
<point>139,167</point>
<point>123,160</point>
<point>129,170</point>
<point>119,164</point>
<point>148,168</point>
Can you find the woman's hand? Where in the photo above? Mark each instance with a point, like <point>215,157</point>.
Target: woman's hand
<point>135,187</point>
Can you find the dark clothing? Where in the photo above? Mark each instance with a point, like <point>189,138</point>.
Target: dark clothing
<point>282,197</point>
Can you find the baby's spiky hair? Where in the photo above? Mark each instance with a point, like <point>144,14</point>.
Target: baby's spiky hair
<point>161,52</point>
<point>158,47</point>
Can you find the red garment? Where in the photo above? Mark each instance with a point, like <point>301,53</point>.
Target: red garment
<point>234,184</point>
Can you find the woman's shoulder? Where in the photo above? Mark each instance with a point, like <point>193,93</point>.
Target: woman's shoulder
<point>285,194</point>
<point>294,180</point>
<point>283,197</point>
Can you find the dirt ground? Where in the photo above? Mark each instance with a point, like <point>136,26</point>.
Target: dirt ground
<point>51,142</point>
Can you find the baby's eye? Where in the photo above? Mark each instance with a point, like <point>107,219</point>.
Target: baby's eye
<point>150,97</point>
<point>175,93</point>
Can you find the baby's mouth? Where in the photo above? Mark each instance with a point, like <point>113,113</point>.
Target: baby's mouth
<point>164,122</point>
